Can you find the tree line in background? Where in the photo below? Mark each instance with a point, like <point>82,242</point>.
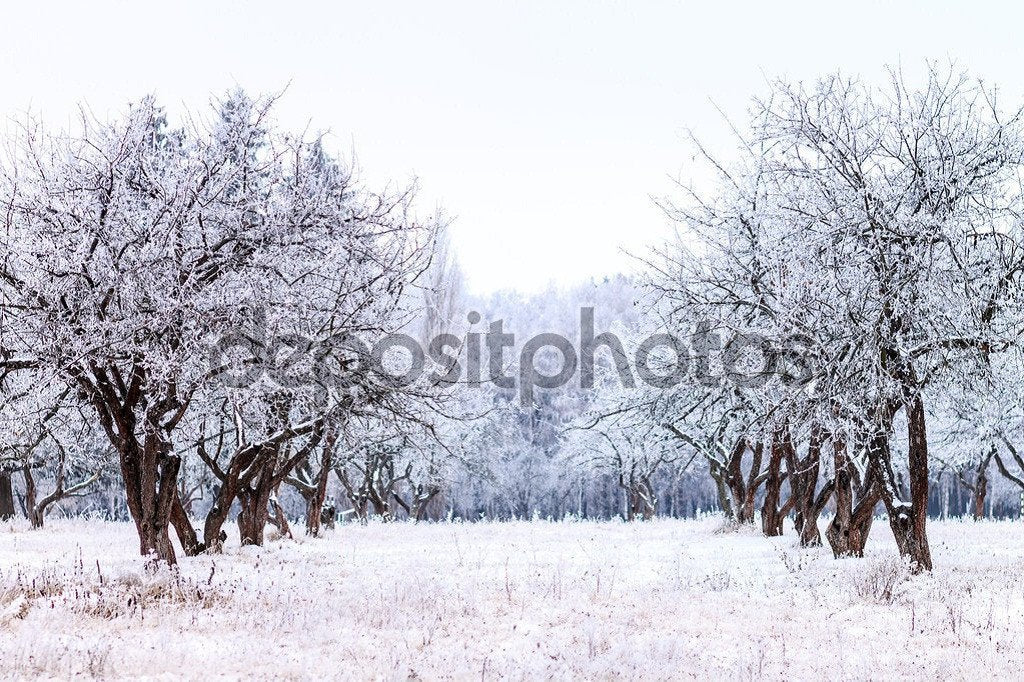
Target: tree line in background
<point>834,329</point>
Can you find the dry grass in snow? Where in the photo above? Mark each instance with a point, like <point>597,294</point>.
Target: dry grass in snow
<point>659,600</point>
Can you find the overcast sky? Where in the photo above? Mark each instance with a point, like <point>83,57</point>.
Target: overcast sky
<point>542,127</point>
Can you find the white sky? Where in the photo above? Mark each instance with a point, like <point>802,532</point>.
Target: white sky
<point>543,127</point>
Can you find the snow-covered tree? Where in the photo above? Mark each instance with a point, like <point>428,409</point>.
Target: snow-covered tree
<point>852,215</point>
<point>134,249</point>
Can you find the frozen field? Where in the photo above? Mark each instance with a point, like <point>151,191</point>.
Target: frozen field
<point>659,600</point>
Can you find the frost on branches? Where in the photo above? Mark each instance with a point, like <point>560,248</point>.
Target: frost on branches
<point>871,238</point>
<point>132,247</point>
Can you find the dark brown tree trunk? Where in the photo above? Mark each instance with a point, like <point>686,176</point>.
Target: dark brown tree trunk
<point>860,523</point>
<point>254,513</point>
<point>978,493</point>
<point>251,476</point>
<point>424,502</point>
<point>35,509</point>
<point>35,515</point>
<point>719,476</point>
<point>190,543</point>
<point>315,504</point>
<point>280,519</point>
<point>249,530</point>
<point>810,536</point>
<point>744,490</point>
<point>771,516</point>
<point>908,521</point>
<point>919,483</point>
<point>149,469</point>
<point>150,476</point>
<point>213,527</point>
<point>640,502</point>
<point>433,507</point>
<point>382,508</point>
<point>7,509</point>
<point>308,499</point>
<point>803,483</point>
<point>754,479</point>
<point>735,481</point>
<point>361,509</point>
<point>847,534</point>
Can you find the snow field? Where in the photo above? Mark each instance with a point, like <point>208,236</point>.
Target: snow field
<point>523,600</point>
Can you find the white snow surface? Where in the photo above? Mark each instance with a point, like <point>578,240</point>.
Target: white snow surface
<point>522,600</point>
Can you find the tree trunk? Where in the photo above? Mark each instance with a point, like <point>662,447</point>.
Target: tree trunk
<point>183,527</point>
<point>254,513</point>
<point>382,508</point>
<point>315,505</point>
<point>838,532</point>
<point>32,511</point>
<point>310,524</point>
<point>722,490</point>
<point>280,519</point>
<point>803,483</point>
<point>640,502</point>
<point>907,519</point>
<point>155,540</point>
<point>847,534</point>
<point>978,493</point>
<point>250,531</point>
<point>213,527</point>
<point>810,536</point>
<point>149,467</point>
<point>423,503</point>
<point>771,518</point>
<point>743,491</point>
<point>753,482</point>
<point>150,475</point>
<point>7,509</point>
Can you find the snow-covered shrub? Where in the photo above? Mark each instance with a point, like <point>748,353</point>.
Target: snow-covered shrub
<point>729,526</point>
<point>881,580</point>
<point>798,559</point>
<point>90,592</point>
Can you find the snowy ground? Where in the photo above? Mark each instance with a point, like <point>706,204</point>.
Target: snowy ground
<point>667,599</point>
